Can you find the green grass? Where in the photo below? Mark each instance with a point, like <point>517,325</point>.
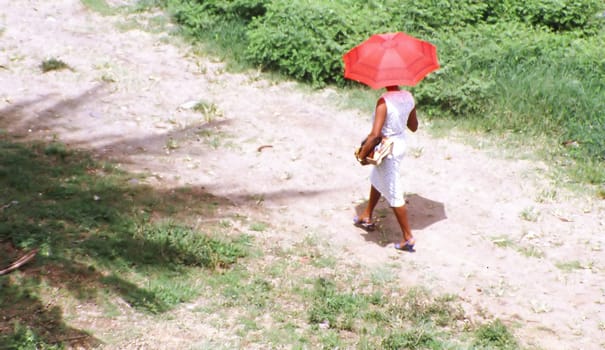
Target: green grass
<point>210,111</point>
<point>503,241</point>
<point>530,251</point>
<point>259,226</point>
<point>52,64</point>
<point>494,335</point>
<point>23,337</point>
<point>569,266</point>
<point>96,230</point>
<point>526,250</point>
<point>223,38</point>
<point>106,241</point>
<point>530,214</point>
<point>99,6</point>
<point>336,310</point>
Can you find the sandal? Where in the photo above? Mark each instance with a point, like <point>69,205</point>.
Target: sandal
<point>408,246</point>
<point>364,224</point>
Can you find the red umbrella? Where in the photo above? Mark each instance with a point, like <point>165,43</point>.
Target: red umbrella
<point>390,59</point>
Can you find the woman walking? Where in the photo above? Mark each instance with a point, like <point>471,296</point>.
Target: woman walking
<point>395,112</point>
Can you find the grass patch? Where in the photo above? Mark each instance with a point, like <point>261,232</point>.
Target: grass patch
<point>286,299</point>
<point>52,64</point>
<point>569,266</point>
<point>526,250</point>
<point>503,242</point>
<point>495,335</point>
<point>416,321</point>
<point>530,251</point>
<point>97,230</point>
<point>332,309</point>
<point>23,337</point>
<point>547,196</point>
<point>601,193</point>
<point>259,226</point>
<point>210,111</point>
<point>413,339</point>
<point>99,6</point>
<point>214,138</point>
<point>152,24</point>
<point>530,214</point>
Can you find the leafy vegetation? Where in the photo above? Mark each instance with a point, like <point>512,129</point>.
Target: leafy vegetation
<point>531,68</point>
<point>53,64</point>
<point>495,335</point>
<point>100,6</point>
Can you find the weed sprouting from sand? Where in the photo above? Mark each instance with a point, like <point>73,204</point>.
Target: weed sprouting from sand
<point>52,64</point>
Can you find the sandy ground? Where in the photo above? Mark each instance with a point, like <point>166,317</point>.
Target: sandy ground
<point>128,98</point>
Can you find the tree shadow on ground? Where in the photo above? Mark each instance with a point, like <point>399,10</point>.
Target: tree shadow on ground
<point>28,321</point>
<point>91,223</point>
<point>422,213</point>
<point>21,116</point>
<point>94,227</point>
<point>51,111</point>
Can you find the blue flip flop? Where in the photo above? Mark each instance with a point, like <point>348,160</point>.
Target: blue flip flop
<point>407,246</point>
<point>366,225</point>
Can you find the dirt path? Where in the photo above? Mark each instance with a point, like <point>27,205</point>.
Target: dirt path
<point>489,229</point>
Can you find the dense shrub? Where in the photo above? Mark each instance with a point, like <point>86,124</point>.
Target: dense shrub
<point>525,80</point>
<point>556,15</point>
<point>242,10</point>
<point>192,16</point>
<point>433,16</point>
<point>306,39</point>
<point>561,15</point>
<point>221,25</point>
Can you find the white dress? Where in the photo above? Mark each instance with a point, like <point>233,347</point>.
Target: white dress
<point>386,176</point>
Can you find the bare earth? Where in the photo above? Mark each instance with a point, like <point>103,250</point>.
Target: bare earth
<point>129,97</point>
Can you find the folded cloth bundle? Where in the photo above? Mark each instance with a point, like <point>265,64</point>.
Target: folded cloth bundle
<point>383,148</point>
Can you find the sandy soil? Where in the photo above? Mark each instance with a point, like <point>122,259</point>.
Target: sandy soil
<point>129,98</point>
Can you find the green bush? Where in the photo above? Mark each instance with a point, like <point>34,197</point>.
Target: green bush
<point>431,16</point>
<point>561,15</point>
<point>516,78</point>
<point>306,39</point>
<point>244,10</point>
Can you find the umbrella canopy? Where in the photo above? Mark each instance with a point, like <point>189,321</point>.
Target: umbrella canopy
<point>390,59</point>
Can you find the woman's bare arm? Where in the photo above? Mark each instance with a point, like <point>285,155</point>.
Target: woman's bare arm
<point>413,121</point>
<point>374,136</point>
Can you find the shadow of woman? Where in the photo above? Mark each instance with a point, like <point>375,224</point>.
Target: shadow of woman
<point>422,213</point>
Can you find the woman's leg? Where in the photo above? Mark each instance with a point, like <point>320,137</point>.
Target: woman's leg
<point>369,210</point>
<point>402,218</point>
